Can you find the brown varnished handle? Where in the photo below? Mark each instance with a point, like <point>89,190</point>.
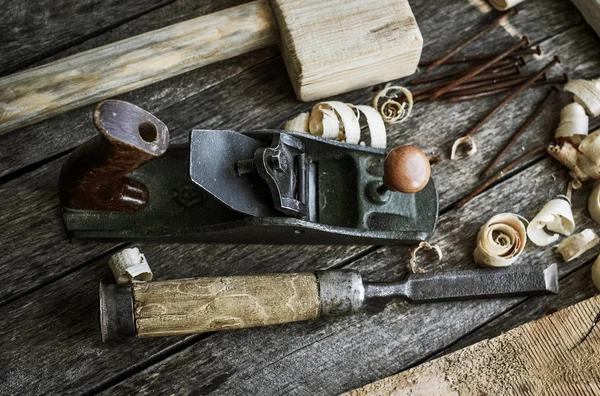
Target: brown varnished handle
<point>199,305</point>
<point>94,176</point>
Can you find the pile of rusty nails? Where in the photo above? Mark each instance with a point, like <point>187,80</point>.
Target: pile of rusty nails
<point>487,75</point>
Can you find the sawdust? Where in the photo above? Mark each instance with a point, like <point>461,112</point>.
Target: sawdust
<point>541,357</point>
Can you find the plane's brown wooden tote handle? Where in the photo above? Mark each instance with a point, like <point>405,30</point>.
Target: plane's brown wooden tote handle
<point>100,73</point>
<point>209,304</point>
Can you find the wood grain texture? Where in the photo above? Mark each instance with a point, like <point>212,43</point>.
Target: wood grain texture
<point>101,73</point>
<point>341,45</point>
<point>191,306</point>
<point>57,278</point>
<point>540,357</point>
<point>62,133</point>
<point>30,31</point>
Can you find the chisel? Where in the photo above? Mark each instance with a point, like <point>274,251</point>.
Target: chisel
<point>197,305</point>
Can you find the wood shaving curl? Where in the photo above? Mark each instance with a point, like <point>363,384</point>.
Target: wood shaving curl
<point>594,204</point>
<point>575,245</point>
<point>500,241</point>
<point>556,216</point>
<point>573,125</point>
<point>587,94</point>
<point>340,121</point>
<point>465,140</point>
<point>130,266</point>
<point>390,108</point>
<point>413,255</point>
<point>582,159</point>
<point>596,273</point>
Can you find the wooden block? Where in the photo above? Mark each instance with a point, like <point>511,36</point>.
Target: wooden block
<point>541,357</point>
<point>340,45</point>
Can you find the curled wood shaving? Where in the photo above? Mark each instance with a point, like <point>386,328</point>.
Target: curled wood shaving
<point>378,137</point>
<point>583,159</point>
<point>334,120</point>
<point>503,5</point>
<point>500,241</point>
<point>391,109</point>
<point>586,93</point>
<point>130,266</point>
<point>298,123</point>
<point>413,255</point>
<point>556,216</point>
<point>596,273</point>
<point>468,140</point>
<point>575,245</point>
<point>590,147</point>
<point>573,125</point>
<point>594,204</point>
<point>340,121</point>
<point>573,185</point>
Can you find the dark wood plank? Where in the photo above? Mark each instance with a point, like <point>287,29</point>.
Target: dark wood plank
<point>52,341</point>
<point>338,354</point>
<point>327,356</point>
<point>62,133</point>
<point>30,31</point>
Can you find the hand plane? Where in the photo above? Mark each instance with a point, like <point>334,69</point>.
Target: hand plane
<point>241,187</point>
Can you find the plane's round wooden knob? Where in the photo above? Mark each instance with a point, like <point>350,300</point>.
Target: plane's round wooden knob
<point>406,169</point>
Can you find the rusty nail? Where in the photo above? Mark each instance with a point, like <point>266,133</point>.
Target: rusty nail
<point>474,37</point>
<point>479,69</point>
<point>461,97</point>
<point>520,88</point>
<point>537,50</point>
<point>520,131</point>
<point>516,162</point>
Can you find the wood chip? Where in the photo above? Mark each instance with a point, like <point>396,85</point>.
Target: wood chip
<point>413,255</point>
<point>130,266</point>
<point>387,102</point>
<point>575,245</point>
<point>556,216</point>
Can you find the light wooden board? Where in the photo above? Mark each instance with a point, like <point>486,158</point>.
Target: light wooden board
<point>546,356</point>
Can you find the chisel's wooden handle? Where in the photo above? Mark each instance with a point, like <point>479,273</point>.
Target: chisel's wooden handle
<point>210,304</point>
<point>36,94</point>
<point>198,305</point>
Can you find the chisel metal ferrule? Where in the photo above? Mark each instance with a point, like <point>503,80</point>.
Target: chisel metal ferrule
<point>340,291</point>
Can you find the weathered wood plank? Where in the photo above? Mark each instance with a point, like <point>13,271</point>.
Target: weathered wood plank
<point>64,132</point>
<point>573,288</point>
<point>52,341</point>
<point>540,357</point>
<point>377,343</point>
<point>30,31</point>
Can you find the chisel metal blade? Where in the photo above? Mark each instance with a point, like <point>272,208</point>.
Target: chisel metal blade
<point>518,280</point>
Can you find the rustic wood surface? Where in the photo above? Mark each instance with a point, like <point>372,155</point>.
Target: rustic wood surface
<point>50,340</point>
<point>550,356</point>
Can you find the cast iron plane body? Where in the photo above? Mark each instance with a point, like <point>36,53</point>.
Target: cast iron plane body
<point>262,187</point>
